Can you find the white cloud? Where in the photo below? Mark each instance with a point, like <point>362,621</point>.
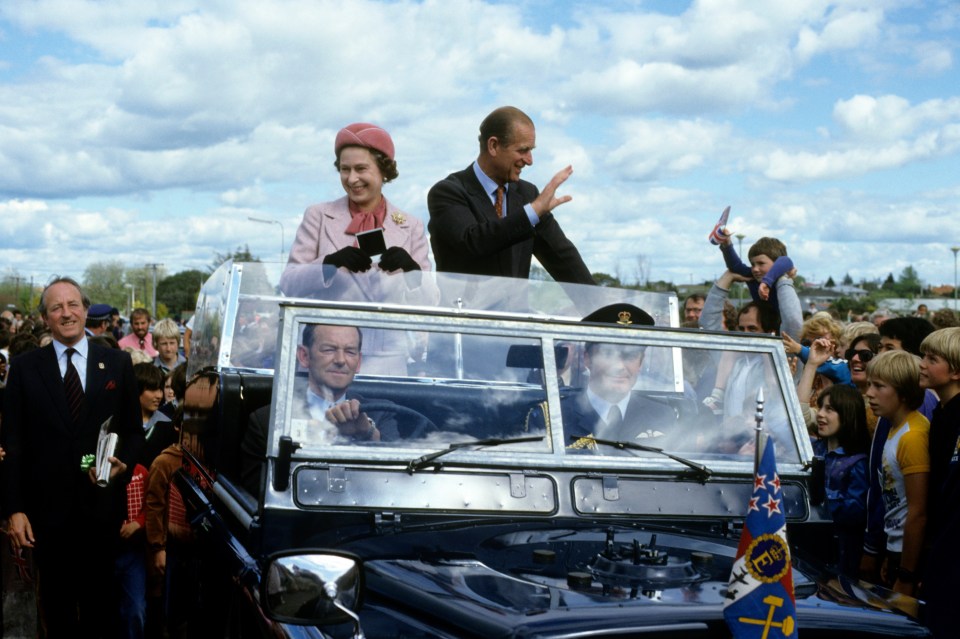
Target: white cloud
<point>205,112</point>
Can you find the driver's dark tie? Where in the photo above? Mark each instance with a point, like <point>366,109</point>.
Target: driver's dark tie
<point>614,417</point>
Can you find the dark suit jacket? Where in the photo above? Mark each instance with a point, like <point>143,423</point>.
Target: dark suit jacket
<point>41,472</point>
<point>468,238</point>
<point>253,448</point>
<point>643,416</point>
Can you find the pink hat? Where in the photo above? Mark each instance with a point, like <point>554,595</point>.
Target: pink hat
<point>366,135</point>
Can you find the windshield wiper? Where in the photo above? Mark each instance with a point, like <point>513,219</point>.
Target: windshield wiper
<point>702,472</point>
<point>426,460</point>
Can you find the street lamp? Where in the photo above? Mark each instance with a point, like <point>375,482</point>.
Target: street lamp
<point>277,222</point>
<point>955,249</point>
<point>130,307</point>
<point>740,237</point>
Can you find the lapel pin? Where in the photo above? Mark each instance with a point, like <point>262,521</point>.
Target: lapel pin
<point>398,218</point>
<point>100,365</point>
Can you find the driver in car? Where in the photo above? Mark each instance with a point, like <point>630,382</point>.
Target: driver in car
<point>608,408</point>
<point>324,407</point>
<point>331,355</point>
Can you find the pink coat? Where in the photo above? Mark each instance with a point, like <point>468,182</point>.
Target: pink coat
<point>322,232</point>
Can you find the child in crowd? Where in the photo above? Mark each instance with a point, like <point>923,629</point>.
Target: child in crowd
<point>832,371</point>
<point>894,393</point>
<point>131,560</point>
<point>940,372</point>
<point>166,339</point>
<point>768,262</point>
<point>157,426</point>
<point>842,442</point>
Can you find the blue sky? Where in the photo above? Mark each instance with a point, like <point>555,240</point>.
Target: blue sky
<point>149,131</point>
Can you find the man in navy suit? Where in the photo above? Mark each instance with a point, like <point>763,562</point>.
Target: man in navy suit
<point>57,399</point>
<point>485,220</point>
<point>608,408</point>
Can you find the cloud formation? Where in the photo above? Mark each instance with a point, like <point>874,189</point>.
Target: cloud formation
<point>822,122</point>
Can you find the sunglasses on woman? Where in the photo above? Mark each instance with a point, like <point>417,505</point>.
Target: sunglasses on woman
<point>864,354</point>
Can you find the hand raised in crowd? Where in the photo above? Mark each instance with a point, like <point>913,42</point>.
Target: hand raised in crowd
<point>352,422</point>
<point>350,258</point>
<point>820,351</point>
<point>790,345</point>
<point>548,200</point>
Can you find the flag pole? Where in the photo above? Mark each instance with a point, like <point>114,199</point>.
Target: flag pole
<point>758,451</point>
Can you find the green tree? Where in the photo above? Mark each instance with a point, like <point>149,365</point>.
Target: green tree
<point>178,292</point>
<point>241,254</point>
<point>830,283</point>
<point>888,284</point>
<point>141,278</point>
<point>847,280</point>
<point>605,279</point>
<point>909,284</point>
<point>18,291</point>
<point>103,282</point>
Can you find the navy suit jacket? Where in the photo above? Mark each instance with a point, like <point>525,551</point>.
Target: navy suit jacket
<point>467,237</point>
<point>41,472</point>
<point>643,416</point>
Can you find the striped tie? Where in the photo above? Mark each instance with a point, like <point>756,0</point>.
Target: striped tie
<point>73,387</point>
<point>498,204</point>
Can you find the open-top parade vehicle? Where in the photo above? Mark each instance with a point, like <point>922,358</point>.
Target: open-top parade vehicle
<point>488,511</point>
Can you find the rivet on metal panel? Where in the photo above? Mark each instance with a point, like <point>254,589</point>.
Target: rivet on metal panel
<point>611,488</point>
<point>336,479</point>
<point>518,487</point>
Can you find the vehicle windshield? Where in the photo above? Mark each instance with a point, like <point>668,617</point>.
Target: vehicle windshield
<point>454,388</point>
<point>391,370</point>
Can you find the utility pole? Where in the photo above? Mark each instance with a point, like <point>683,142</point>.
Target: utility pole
<point>153,267</point>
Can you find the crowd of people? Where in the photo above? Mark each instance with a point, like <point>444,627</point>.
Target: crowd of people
<point>881,400</point>
<point>879,394</point>
<point>89,551</point>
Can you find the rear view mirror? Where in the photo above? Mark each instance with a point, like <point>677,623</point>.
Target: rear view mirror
<point>312,588</point>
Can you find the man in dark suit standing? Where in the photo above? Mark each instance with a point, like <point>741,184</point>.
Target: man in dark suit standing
<point>57,399</point>
<point>485,220</point>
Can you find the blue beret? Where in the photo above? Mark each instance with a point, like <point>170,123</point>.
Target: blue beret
<point>99,312</point>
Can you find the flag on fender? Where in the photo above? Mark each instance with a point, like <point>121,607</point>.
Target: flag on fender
<point>759,601</point>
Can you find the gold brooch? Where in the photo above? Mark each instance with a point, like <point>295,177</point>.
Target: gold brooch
<point>624,317</point>
<point>100,364</point>
<point>398,218</point>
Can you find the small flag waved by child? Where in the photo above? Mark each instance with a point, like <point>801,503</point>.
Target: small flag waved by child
<point>719,233</point>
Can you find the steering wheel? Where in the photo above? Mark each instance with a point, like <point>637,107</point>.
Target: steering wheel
<point>410,423</point>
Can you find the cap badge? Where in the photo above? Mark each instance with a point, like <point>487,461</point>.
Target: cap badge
<point>624,318</point>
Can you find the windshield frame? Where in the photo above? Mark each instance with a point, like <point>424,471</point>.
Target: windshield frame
<point>295,314</point>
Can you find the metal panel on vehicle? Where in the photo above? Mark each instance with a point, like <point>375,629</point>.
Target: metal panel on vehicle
<point>612,495</point>
<point>329,487</point>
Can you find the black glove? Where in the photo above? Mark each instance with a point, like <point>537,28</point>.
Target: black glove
<point>396,258</point>
<point>350,258</point>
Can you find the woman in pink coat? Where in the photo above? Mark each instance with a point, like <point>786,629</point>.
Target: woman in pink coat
<point>326,261</point>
